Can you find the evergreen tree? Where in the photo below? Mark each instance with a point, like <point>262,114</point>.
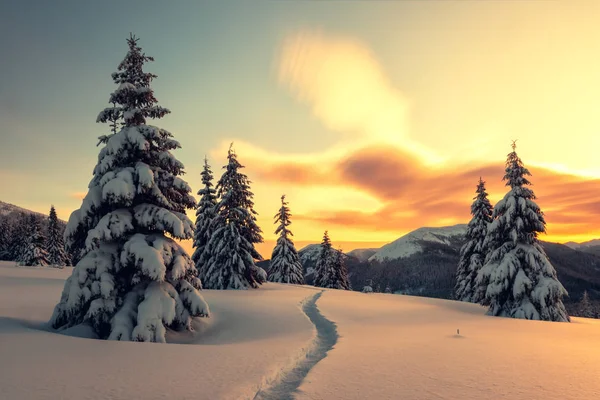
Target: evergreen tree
<point>132,281</point>
<point>230,264</point>
<point>5,241</point>
<point>20,238</point>
<point>473,252</point>
<point>585,307</point>
<point>518,279</point>
<point>285,264</point>
<point>205,214</point>
<point>35,253</point>
<point>55,245</point>
<point>337,275</point>
<point>324,261</point>
<point>388,289</point>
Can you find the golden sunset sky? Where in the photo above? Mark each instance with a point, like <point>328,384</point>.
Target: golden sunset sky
<point>374,118</point>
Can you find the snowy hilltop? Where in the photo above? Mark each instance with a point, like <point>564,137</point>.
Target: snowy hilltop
<point>411,243</point>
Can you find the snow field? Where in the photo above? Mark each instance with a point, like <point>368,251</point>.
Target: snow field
<point>251,335</point>
<point>403,347</point>
<point>256,343</point>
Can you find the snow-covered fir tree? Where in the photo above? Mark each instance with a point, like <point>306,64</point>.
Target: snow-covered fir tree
<point>230,263</point>
<point>473,252</point>
<point>5,232</point>
<point>518,279</point>
<point>133,282</point>
<point>35,253</point>
<point>285,264</point>
<point>585,307</point>
<point>388,289</point>
<point>205,214</point>
<point>55,245</point>
<point>337,275</point>
<point>324,260</point>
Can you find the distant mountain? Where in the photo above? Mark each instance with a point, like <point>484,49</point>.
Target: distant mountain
<point>416,242</point>
<point>423,263</point>
<point>362,254</point>
<point>583,245</point>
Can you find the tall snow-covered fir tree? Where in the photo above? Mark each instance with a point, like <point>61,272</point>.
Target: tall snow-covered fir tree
<point>133,282</point>
<point>518,279</point>
<point>324,261</point>
<point>55,245</point>
<point>285,264</point>
<point>205,214</point>
<point>230,263</point>
<point>473,252</point>
<point>35,253</point>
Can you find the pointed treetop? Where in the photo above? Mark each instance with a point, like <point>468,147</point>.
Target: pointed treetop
<point>514,144</point>
<point>132,41</point>
<point>283,199</point>
<point>515,170</point>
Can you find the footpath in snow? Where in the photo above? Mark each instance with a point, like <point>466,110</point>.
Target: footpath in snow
<point>403,347</point>
<point>285,386</point>
<point>252,335</point>
<point>262,344</point>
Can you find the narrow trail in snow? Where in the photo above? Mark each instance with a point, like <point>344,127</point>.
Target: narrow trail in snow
<point>287,383</point>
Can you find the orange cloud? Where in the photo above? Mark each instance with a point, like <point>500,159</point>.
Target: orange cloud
<point>414,195</point>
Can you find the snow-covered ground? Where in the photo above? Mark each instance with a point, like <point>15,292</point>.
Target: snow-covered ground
<point>389,347</point>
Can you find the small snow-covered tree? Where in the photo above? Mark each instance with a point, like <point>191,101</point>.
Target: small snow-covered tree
<point>230,262</point>
<point>473,252</point>
<point>324,261</point>
<point>132,281</point>
<point>388,289</point>
<point>518,279</point>
<point>205,214</point>
<point>35,253</point>
<point>55,246</point>
<point>585,307</point>
<point>367,289</point>
<point>285,264</point>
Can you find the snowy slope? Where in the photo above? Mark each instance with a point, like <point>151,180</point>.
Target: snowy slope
<point>251,336</point>
<point>6,209</point>
<point>309,253</point>
<point>411,243</point>
<point>369,346</point>
<point>402,347</point>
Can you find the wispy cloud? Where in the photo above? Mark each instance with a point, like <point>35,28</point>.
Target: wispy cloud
<point>347,89</point>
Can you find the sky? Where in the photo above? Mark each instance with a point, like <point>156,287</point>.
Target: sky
<point>373,117</point>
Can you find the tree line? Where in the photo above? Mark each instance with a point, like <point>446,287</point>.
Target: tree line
<point>29,240</point>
